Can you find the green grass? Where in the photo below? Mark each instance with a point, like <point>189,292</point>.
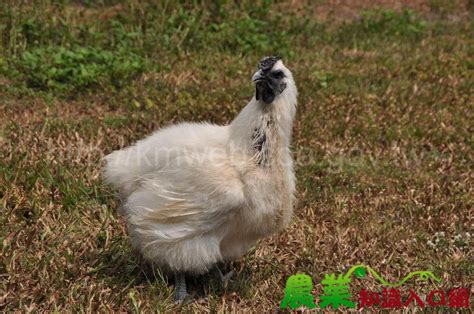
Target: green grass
<point>382,140</point>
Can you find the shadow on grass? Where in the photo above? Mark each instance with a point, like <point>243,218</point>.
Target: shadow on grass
<point>123,269</point>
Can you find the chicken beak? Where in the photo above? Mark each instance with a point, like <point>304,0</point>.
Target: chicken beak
<point>258,77</point>
<point>260,81</point>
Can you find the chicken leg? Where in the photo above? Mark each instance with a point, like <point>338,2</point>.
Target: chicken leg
<point>180,287</point>
<point>224,278</point>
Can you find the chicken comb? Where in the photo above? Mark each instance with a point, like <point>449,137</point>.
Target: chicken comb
<point>267,63</point>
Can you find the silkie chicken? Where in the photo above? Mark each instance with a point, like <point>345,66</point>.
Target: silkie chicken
<point>198,194</point>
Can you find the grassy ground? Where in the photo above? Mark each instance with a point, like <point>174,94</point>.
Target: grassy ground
<point>383,141</point>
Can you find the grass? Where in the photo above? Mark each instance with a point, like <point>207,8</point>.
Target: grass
<point>383,143</point>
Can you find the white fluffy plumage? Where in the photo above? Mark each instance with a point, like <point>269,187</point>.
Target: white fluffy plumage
<point>195,194</point>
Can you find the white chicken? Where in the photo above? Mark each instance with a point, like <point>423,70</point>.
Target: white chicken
<point>196,194</point>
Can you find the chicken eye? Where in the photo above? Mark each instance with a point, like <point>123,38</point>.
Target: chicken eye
<point>277,75</point>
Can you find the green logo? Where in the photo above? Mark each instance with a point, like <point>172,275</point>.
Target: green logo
<point>336,291</point>
<point>298,292</point>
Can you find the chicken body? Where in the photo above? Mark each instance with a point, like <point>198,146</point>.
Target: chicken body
<point>196,194</point>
